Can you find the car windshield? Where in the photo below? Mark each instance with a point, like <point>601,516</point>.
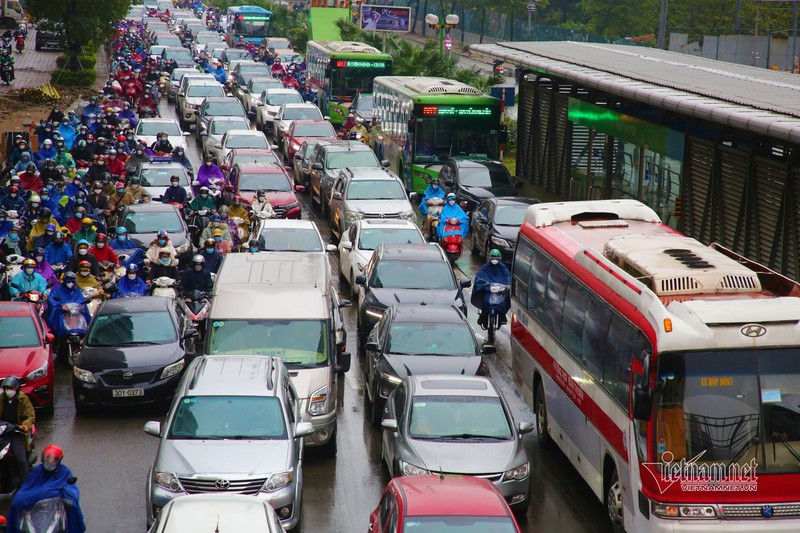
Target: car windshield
<point>203,38</point>
<point>302,113</point>
<point>154,128</point>
<point>266,157</point>
<point>178,73</point>
<point>481,176</point>
<point>398,274</point>
<point>369,239</point>
<point>458,524</point>
<point>155,50</point>
<point>435,139</point>
<point>218,127</point>
<point>364,103</point>
<point>247,141</point>
<point>268,182</point>
<point>375,190</point>
<point>261,68</point>
<point>440,417</point>
<point>510,215</point>
<point>182,55</point>
<point>352,158</point>
<point>159,176</point>
<point>232,54</point>
<point>18,332</point>
<point>125,329</point>
<point>298,343</point>
<point>430,339</point>
<point>258,87</point>
<point>318,129</point>
<point>228,109</point>
<point>228,417</point>
<point>170,41</point>
<point>205,90</point>
<point>289,240</point>
<point>284,98</point>
<point>153,222</point>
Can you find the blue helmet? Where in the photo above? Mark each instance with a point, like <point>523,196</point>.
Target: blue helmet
<point>122,231</point>
<point>133,268</point>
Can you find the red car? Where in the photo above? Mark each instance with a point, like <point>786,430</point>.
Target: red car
<point>246,179</point>
<point>442,504</point>
<point>26,352</point>
<point>305,130</point>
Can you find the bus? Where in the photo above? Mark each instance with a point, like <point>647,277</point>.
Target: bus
<point>253,23</point>
<point>339,70</point>
<point>420,122</point>
<point>667,371</point>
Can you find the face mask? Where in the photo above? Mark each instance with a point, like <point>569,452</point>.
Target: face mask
<point>253,250</point>
<point>34,206</point>
<point>131,276</point>
<point>10,393</point>
<point>162,242</point>
<point>198,268</point>
<point>83,251</point>
<point>77,183</point>
<point>39,258</point>
<point>134,186</point>
<point>208,163</point>
<point>69,284</point>
<point>495,261</point>
<point>13,195</point>
<point>163,138</point>
<point>50,467</point>
<point>78,215</point>
<point>451,202</point>
<point>98,191</point>
<point>174,183</point>
<point>209,250</point>
<point>100,244</point>
<point>84,273</point>
<point>13,236</point>
<point>49,233</point>
<point>45,197</point>
<point>164,260</point>
<point>435,187</point>
<point>203,195</point>
<point>218,239</point>
<point>120,190</point>
<point>29,271</point>
<point>79,201</point>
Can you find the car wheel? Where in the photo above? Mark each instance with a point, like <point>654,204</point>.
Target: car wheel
<point>614,504</point>
<point>540,408</point>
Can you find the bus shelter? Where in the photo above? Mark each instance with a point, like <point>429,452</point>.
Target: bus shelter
<point>710,146</point>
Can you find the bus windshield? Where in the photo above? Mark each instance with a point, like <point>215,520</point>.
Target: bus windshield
<point>347,82</point>
<point>730,407</point>
<point>252,27</point>
<point>436,139</point>
<point>298,343</point>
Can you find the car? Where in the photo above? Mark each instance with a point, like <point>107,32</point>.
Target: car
<point>326,161</point>
<point>302,167</point>
<point>362,107</point>
<point>474,181</point>
<point>271,102</point>
<point>249,67</point>
<point>175,81</point>
<point>203,38</point>
<point>410,340</point>
<point>242,138</point>
<point>441,504</point>
<point>217,127</point>
<point>229,54</point>
<point>250,95</point>
<point>304,130</point>
<point>408,274</point>
<point>182,56</point>
<point>144,221</point>
<point>147,130</point>
<point>216,106</point>
<point>214,49</point>
<point>134,353</point>
<point>495,224</point>
<point>247,155</point>
<point>246,179</point>
<point>235,511</point>
<point>26,351</point>
<point>192,95</point>
<point>184,80</point>
<point>288,56</point>
<point>289,113</point>
<point>154,52</point>
<point>367,193</point>
<point>281,235</point>
<point>365,235</point>
<point>49,35</point>
<point>276,43</point>
<point>170,40</point>
<point>155,178</point>
<point>235,425</point>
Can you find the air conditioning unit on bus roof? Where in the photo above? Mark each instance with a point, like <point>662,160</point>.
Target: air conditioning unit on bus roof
<point>441,86</point>
<point>672,266</point>
<point>350,46</point>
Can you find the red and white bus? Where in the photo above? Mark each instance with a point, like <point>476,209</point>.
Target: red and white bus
<point>667,371</point>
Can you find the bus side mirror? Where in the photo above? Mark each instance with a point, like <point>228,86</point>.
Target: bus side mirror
<point>503,137</point>
<point>642,403</point>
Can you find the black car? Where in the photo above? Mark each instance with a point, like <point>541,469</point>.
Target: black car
<point>362,107</point>
<point>406,274</point>
<point>475,181</point>
<point>495,224</point>
<point>49,35</point>
<point>134,353</point>
<point>144,221</point>
<point>419,339</point>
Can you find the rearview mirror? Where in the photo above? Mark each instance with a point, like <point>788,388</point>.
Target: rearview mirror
<point>330,248</point>
<point>185,133</point>
<point>229,187</point>
<point>371,346</point>
<point>642,403</point>
<point>297,157</point>
<point>343,362</point>
<point>448,183</point>
<point>153,427</point>
<point>49,338</point>
<point>465,283</point>
<point>389,423</point>
<point>345,303</point>
<point>525,428</point>
<point>316,166</point>
<point>488,349</point>
<point>336,195</point>
<point>385,163</point>
<point>189,333</point>
<point>413,196</point>
<point>299,188</point>
<point>347,245</point>
<point>224,167</point>
<point>361,280</point>
<point>303,429</point>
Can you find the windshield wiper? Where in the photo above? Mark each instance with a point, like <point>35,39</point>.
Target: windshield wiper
<point>141,343</point>
<point>778,437</point>
<point>466,436</point>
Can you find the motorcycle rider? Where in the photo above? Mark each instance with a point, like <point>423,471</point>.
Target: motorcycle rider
<point>127,114</point>
<point>209,173</point>
<point>46,238</point>
<point>212,256</point>
<point>138,194</point>
<point>58,252</point>
<point>111,117</point>
<point>130,284</point>
<point>203,201</point>
<point>39,227</point>
<point>25,158</point>
<point>5,224</point>
<point>452,210</point>
<point>49,172</point>
<point>20,147</point>
<point>147,104</point>
<point>12,244</point>
<point>136,159</point>
<point>179,156</point>
<point>433,190</point>
<point>277,69</point>
<point>218,72</point>
<point>82,255</point>
<point>290,82</point>
<point>222,245</point>
<point>197,278</point>
<point>88,232</point>
<point>238,210</point>
<point>64,160</point>
<point>253,247</point>
<point>262,205</point>
<point>92,109</point>
<point>81,151</point>
<point>98,199</point>
<point>116,165</point>
<point>75,222</point>
<point>494,271</point>
<point>102,251</point>
<point>67,132</point>
<point>27,280</point>
<point>43,268</point>
<point>159,244</point>
<point>17,409</point>
<point>162,144</point>
<point>30,180</point>
<point>308,94</point>
<point>13,201</point>
<point>66,292</point>
<point>97,169</point>
<point>87,280</point>
<point>359,128</point>
<point>348,124</point>
<point>163,267</point>
<point>174,194</point>
<point>76,186</point>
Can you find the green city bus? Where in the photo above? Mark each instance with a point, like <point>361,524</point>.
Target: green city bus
<point>420,122</point>
<point>339,70</point>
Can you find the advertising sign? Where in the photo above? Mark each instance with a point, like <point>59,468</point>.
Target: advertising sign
<point>385,18</point>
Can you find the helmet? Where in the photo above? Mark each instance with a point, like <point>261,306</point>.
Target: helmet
<point>84,264</point>
<point>52,457</point>
<point>133,268</point>
<point>198,260</point>
<point>31,167</point>
<point>253,243</point>
<point>208,157</point>
<point>29,263</point>
<point>101,237</point>
<point>70,276</point>
<point>209,242</point>
<point>179,150</point>
<point>47,142</point>
<point>37,251</point>
<point>122,231</point>
<point>204,188</point>
<point>495,254</point>
<point>451,195</point>
<point>119,185</point>
<point>49,227</point>
<point>45,214</point>
<point>359,120</point>
<point>11,382</point>
<point>162,233</point>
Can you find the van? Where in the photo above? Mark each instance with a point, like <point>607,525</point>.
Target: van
<point>284,305</point>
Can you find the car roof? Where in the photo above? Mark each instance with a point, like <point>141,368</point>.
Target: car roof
<point>432,314</point>
<point>215,99</point>
<point>264,78</point>
<point>155,120</point>
<point>308,105</point>
<point>261,168</point>
<point>344,146</point>
<point>289,223</point>
<point>250,151</point>
<point>471,163</point>
<point>309,122</point>
<point>156,164</point>
<point>154,207</point>
<point>390,223</point>
<point>228,118</point>
<point>274,268</point>
<point>136,305</point>
<point>368,173</point>
<point>303,302</point>
<point>244,133</point>
<point>510,200</point>
<point>15,309</point>
<point>280,90</point>
<point>452,385</point>
<point>240,375</point>
<point>431,495</point>
<point>410,252</point>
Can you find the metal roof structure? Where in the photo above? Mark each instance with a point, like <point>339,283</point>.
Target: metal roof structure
<point>765,102</point>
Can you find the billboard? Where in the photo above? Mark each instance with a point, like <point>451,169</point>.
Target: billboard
<point>385,18</point>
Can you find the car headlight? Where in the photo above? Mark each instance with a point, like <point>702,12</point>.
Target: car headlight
<point>375,312</point>
<point>39,372</point>
<point>171,370</point>
<point>168,481</point>
<point>191,106</point>
<point>409,215</point>
<point>289,207</point>
<point>352,216</point>
<point>500,242</point>
<point>684,511</point>
<point>83,375</point>
<point>277,481</point>
<point>185,247</point>
<point>412,470</point>
<point>518,473</point>
<point>318,403</point>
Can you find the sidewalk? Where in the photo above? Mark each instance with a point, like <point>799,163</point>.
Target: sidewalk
<point>31,68</point>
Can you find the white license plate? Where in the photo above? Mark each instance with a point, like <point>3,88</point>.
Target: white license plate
<point>127,393</point>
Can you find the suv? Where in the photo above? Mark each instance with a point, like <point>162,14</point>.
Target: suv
<point>175,80</point>
<point>216,106</point>
<point>291,112</point>
<point>49,35</point>
<point>328,158</point>
<point>235,425</point>
<point>191,95</point>
<point>367,193</point>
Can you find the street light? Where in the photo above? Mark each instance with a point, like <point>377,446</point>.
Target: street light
<point>450,21</point>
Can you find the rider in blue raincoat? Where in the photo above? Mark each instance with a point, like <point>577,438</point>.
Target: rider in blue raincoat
<point>27,280</point>
<point>122,245</point>
<point>131,284</point>
<point>452,210</point>
<point>66,292</point>
<point>432,191</point>
<point>494,271</point>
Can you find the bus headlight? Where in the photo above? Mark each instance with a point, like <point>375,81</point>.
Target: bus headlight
<point>664,510</point>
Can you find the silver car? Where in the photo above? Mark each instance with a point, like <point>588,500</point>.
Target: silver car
<point>234,425</point>
<point>457,425</point>
<point>288,113</point>
<point>359,243</point>
<point>217,127</point>
<point>250,95</point>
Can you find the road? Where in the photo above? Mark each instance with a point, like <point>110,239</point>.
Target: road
<point>111,454</point>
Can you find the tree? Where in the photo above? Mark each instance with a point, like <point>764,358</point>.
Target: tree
<point>622,18</point>
<point>86,22</point>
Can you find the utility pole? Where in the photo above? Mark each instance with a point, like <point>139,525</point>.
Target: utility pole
<point>662,25</point>
<point>737,20</point>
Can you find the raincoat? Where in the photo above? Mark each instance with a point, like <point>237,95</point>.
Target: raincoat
<point>43,485</point>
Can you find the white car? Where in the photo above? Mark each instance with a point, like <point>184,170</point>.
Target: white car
<point>190,98</point>
<point>289,113</point>
<point>251,94</point>
<point>232,512</point>
<point>154,52</point>
<point>148,129</point>
<point>155,178</point>
<point>359,242</point>
<point>202,39</point>
<point>271,102</point>
<point>217,127</point>
<point>175,81</point>
<point>290,235</point>
<point>244,138</point>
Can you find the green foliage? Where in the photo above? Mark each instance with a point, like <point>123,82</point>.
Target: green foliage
<point>87,61</point>
<point>75,78</point>
<point>511,129</point>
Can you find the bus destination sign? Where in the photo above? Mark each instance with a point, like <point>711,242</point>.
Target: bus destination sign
<point>456,111</point>
<point>255,17</point>
<point>354,63</point>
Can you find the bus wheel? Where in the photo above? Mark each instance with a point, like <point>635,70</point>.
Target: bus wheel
<point>614,504</point>
<point>540,407</point>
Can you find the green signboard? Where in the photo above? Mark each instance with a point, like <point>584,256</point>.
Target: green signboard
<point>432,110</point>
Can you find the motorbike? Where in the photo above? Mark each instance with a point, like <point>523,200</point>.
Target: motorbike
<point>20,43</point>
<point>50,506</point>
<point>93,298</point>
<point>75,326</point>
<point>8,471</point>
<point>452,240</point>
<point>164,286</point>
<point>198,304</point>
<point>242,229</point>
<point>496,298</point>
<point>7,73</point>
<point>146,112</point>
<point>35,297</point>
<point>431,221</point>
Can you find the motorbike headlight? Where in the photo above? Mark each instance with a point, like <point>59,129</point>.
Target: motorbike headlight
<point>352,216</point>
<point>168,481</point>
<point>277,481</point>
<point>171,370</point>
<point>185,247</point>
<point>412,470</point>
<point>518,473</point>
<point>409,215</point>
<point>500,242</point>
<point>83,375</point>
<point>39,372</point>
<point>318,403</point>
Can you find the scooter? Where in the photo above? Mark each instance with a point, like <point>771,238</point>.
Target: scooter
<point>452,240</point>
<point>8,471</point>
<point>20,43</point>
<point>93,298</point>
<point>75,326</point>
<point>431,221</point>
<point>198,304</point>
<point>164,286</point>
<point>7,73</point>
<point>56,508</point>
<point>34,297</point>
<point>496,296</point>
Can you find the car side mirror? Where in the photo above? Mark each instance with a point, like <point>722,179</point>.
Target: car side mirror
<point>481,218</point>
<point>413,196</point>
<point>371,346</point>
<point>185,133</point>
<point>49,338</point>
<point>153,427</point>
<point>223,167</point>
<point>298,188</point>
<point>518,184</point>
<point>303,429</point>
<point>345,303</point>
<point>488,349</point>
<point>389,423</point>
<point>347,245</point>
<point>273,147</point>
<point>385,163</point>
<point>326,117</point>
<point>465,283</point>
<point>189,333</point>
<point>343,362</point>
<point>524,428</point>
<point>448,183</point>
<point>316,166</point>
<point>642,403</point>
<point>297,157</point>
<point>361,279</point>
<point>330,248</point>
<point>181,94</point>
<point>336,195</point>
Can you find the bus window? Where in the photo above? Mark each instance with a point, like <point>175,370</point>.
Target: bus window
<point>595,333</point>
<point>617,368</point>
<point>522,267</point>
<point>251,28</point>
<point>540,268</point>
<point>465,135</point>
<point>557,283</point>
<point>574,313</point>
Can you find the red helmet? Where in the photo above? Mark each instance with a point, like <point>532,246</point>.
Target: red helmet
<point>101,237</point>
<point>52,454</point>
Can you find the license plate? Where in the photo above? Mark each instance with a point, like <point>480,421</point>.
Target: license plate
<point>127,393</point>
